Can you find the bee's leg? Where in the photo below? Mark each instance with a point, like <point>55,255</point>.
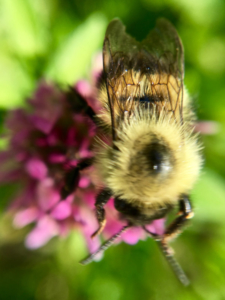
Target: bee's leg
<point>185,213</point>
<point>72,177</point>
<point>79,104</point>
<point>102,198</point>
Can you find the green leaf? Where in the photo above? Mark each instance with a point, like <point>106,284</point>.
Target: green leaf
<point>23,25</point>
<point>209,197</point>
<point>15,83</point>
<point>71,60</point>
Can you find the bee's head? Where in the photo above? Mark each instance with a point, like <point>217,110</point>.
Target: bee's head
<point>151,162</point>
<point>151,157</point>
<point>146,163</point>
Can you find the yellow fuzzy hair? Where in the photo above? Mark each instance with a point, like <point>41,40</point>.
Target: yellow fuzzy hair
<point>136,184</point>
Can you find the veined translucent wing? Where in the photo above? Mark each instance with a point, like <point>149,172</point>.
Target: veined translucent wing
<point>144,72</point>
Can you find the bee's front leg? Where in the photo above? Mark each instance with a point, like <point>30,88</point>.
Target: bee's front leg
<point>79,105</point>
<point>185,213</point>
<point>102,198</point>
<point>72,177</point>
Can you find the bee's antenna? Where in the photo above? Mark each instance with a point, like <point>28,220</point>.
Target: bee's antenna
<point>105,246</point>
<point>173,263</point>
<point>168,253</point>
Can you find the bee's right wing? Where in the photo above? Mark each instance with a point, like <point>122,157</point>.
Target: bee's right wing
<point>164,52</point>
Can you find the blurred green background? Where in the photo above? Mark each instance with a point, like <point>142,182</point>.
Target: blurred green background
<point>56,39</point>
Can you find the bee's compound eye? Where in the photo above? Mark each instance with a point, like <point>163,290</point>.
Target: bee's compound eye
<point>158,158</point>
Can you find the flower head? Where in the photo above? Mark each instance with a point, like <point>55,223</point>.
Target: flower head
<point>45,141</point>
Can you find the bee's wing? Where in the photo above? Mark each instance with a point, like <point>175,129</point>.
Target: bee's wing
<point>119,49</point>
<point>164,46</point>
<point>166,62</point>
<point>150,71</point>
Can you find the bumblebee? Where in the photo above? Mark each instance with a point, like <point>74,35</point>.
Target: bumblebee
<point>153,159</point>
